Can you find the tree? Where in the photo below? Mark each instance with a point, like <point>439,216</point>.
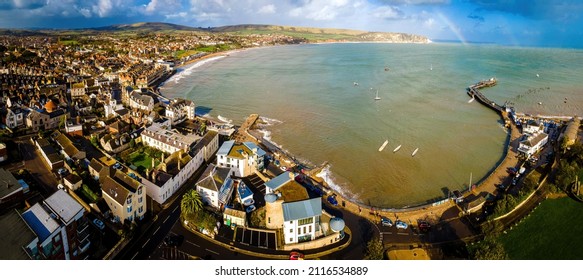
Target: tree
<point>488,249</point>
<point>132,143</point>
<point>374,250</point>
<point>191,202</point>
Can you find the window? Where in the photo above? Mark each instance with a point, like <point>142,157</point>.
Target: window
<point>140,191</point>
<point>310,228</point>
<point>291,239</point>
<point>141,209</point>
<point>129,209</point>
<point>305,221</point>
<point>269,220</point>
<point>129,200</point>
<point>291,230</point>
<point>140,199</point>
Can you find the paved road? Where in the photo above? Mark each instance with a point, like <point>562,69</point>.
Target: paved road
<point>153,232</point>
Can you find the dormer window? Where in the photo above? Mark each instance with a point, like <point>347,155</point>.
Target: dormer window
<point>129,200</point>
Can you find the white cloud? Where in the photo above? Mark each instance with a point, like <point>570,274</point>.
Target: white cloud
<point>85,12</point>
<point>267,9</point>
<point>102,8</point>
<point>387,12</point>
<point>322,10</point>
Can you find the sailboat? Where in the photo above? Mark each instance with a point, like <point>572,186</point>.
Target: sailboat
<point>377,97</point>
<point>414,152</point>
<point>431,68</point>
<point>396,149</point>
<point>383,145</point>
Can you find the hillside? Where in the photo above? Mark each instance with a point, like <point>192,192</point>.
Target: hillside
<point>323,34</point>
<point>305,34</point>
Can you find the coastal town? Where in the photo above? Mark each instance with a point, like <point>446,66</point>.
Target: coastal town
<point>99,164</point>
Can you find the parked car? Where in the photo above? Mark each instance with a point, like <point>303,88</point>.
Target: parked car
<point>295,255</point>
<point>99,224</point>
<point>248,202</point>
<point>63,171</point>
<point>515,181</point>
<point>386,221</point>
<point>174,240</point>
<point>401,225</point>
<point>332,200</point>
<point>250,209</point>
<point>424,226</point>
<point>117,165</point>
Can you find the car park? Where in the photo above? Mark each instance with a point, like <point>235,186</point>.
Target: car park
<point>401,225</point>
<point>99,224</point>
<point>332,200</point>
<point>386,221</point>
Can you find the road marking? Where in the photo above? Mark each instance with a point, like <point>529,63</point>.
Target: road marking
<point>175,209</point>
<point>156,231</point>
<point>387,232</point>
<point>165,220</point>
<point>135,255</point>
<point>145,243</point>
<point>402,233</point>
<point>193,243</point>
<point>212,251</point>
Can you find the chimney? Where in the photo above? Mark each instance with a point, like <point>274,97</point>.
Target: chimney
<point>179,161</point>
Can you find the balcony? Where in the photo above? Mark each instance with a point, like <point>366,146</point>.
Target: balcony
<point>82,226</point>
<point>84,246</point>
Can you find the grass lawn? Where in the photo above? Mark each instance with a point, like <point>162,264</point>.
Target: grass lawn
<point>141,160</point>
<point>552,232</point>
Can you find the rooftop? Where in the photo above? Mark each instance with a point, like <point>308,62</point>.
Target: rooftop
<point>40,221</point>
<point>64,205</point>
<point>16,234</point>
<point>278,181</point>
<point>302,209</point>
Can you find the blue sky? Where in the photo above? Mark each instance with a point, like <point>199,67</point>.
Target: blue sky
<point>551,23</point>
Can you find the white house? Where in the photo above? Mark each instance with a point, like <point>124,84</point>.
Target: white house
<point>209,144</point>
<point>242,158</point>
<point>14,117</point>
<point>141,101</point>
<point>163,182</point>
<point>533,143</point>
<point>301,220</point>
<point>215,186</point>
<point>533,127</point>
<point>180,110</point>
<point>162,138</point>
<point>125,196</point>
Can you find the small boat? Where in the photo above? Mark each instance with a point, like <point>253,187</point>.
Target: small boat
<point>383,145</point>
<point>537,75</point>
<point>396,149</point>
<point>377,97</point>
<point>387,69</point>
<point>355,84</point>
<point>431,68</point>
<point>414,152</point>
<point>223,119</point>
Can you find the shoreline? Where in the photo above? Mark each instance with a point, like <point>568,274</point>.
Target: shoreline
<point>423,204</point>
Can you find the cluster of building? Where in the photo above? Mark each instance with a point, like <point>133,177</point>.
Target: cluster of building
<point>60,89</point>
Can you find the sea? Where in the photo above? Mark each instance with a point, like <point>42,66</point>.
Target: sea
<point>318,101</point>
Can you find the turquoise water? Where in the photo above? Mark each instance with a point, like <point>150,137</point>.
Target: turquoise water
<point>319,115</point>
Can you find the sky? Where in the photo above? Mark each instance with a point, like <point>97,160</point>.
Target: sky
<point>542,23</point>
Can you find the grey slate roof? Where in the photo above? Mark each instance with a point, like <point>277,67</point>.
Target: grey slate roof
<point>213,177</point>
<point>16,234</point>
<point>302,209</point>
<point>278,181</point>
